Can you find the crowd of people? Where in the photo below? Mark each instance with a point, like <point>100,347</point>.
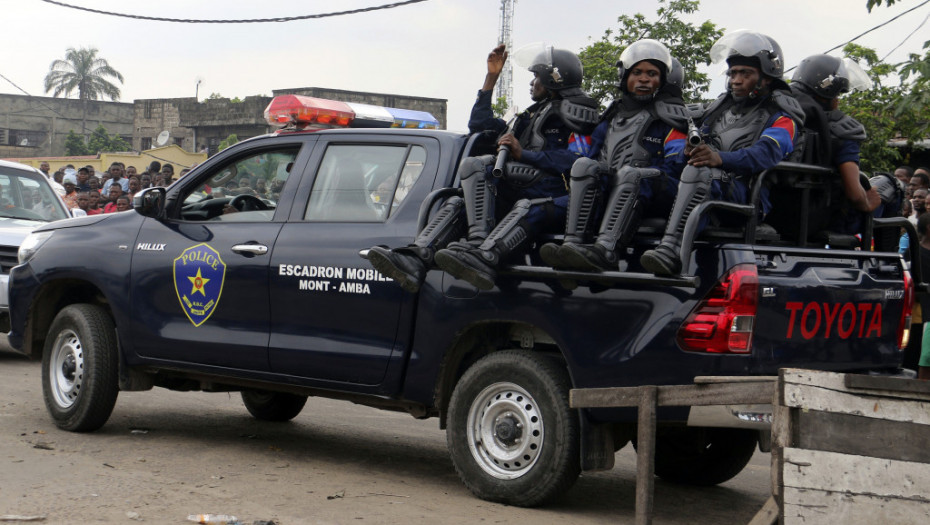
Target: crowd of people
<point>86,193</point>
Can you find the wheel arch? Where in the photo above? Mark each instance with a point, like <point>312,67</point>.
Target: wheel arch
<point>50,299</point>
<point>481,339</point>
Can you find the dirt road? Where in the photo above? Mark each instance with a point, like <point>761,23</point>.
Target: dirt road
<point>164,455</point>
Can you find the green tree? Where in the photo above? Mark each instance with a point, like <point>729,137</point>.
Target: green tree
<point>84,72</point>
<point>689,43</point>
<point>228,141</point>
<point>500,107</point>
<point>100,141</point>
<point>74,145</point>
<point>874,109</point>
<point>915,77</point>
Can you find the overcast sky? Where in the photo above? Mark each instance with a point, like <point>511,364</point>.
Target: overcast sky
<point>435,48</point>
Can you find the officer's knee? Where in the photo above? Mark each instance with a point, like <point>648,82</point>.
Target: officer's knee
<point>694,174</point>
<point>585,168</point>
<point>471,166</point>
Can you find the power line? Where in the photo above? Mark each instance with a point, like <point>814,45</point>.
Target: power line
<point>906,38</point>
<point>46,106</point>
<point>860,35</point>
<point>245,21</point>
<point>878,26</point>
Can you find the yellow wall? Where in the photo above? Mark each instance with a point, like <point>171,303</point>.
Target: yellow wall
<point>173,154</point>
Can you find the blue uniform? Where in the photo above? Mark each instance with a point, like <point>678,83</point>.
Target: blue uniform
<point>554,157</point>
<point>774,144</point>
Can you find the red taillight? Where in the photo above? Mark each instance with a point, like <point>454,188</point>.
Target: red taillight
<point>904,325</point>
<point>722,322</point>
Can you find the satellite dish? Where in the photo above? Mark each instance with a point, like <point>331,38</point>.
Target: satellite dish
<point>25,142</point>
<point>162,138</point>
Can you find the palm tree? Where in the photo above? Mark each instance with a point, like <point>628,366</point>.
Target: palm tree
<point>81,70</point>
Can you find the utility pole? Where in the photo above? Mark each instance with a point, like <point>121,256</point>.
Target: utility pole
<point>504,86</point>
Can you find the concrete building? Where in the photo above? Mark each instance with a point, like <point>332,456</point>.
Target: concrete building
<point>37,126</point>
<point>34,127</point>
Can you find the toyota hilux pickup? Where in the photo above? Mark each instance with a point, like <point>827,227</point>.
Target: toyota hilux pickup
<point>219,284</point>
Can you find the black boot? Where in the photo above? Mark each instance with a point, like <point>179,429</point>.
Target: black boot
<point>478,266</point>
<point>408,265</point>
<point>694,188</point>
<point>582,201</point>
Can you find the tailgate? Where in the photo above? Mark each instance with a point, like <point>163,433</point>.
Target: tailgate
<point>830,309</point>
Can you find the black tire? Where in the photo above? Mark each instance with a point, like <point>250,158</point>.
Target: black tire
<point>703,456</point>
<point>80,368</point>
<point>273,406</point>
<point>511,433</point>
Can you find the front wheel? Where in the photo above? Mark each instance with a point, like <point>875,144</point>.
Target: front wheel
<point>80,378</point>
<point>273,406</point>
<point>511,433</point>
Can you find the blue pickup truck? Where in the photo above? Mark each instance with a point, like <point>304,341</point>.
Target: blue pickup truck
<point>218,285</point>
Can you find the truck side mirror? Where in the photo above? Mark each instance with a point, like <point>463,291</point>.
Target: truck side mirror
<point>150,202</point>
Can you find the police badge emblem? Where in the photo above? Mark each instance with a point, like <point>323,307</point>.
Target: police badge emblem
<point>198,281</point>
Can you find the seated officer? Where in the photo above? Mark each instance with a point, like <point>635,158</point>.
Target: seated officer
<point>639,150</point>
<point>749,129</point>
<point>538,148</point>
<point>817,84</point>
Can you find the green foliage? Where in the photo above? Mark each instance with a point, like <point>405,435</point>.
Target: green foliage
<point>916,101</point>
<point>100,142</point>
<point>214,96</point>
<point>500,106</point>
<point>84,72</point>
<point>874,109</point>
<point>74,145</point>
<point>689,43</point>
<point>228,141</point>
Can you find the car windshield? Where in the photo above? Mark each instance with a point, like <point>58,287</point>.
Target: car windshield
<point>24,195</point>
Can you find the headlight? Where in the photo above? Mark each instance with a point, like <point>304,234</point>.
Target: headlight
<point>31,245</point>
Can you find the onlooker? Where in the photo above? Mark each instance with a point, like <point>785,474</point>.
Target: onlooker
<point>115,193</point>
<point>146,179</point>
<point>135,186</point>
<point>116,177</point>
<point>83,175</point>
<point>918,203</point>
<point>122,203</point>
<point>70,196</point>
<point>918,181</point>
<point>93,184</point>
<point>167,171</point>
<point>84,203</point>
<point>154,167</point>
<point>93,206</point>
<point>43,167</point>
<point>923,231</point>
<point>131,172</point>
<point>904,174</point>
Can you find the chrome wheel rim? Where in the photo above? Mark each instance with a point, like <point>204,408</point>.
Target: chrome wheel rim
<point>505,430</point>
<point>66,373</point>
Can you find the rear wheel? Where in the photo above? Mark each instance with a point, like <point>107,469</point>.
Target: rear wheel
<point>511,433</point>
<point>80,379</point>
<point>703,456</point>
<point>273,406</point>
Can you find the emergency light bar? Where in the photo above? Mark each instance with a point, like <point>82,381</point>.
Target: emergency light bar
<point>308,113</point>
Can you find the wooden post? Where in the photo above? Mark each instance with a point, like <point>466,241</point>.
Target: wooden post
<point>645,458</point>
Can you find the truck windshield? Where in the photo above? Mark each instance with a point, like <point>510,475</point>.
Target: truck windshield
<point>24,196</point>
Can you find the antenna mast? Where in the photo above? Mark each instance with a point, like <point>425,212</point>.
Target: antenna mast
<point>504,86</point>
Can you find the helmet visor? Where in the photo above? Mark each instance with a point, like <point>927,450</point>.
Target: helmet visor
<point>858,79</point>
<point>741,42</point>
<point>535,54</point>
<point>646,49</point>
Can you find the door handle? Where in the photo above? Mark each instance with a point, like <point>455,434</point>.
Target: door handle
<point>250,249</point>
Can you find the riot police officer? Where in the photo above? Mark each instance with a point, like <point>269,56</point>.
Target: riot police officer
<point>639,148</point>
<point>539,161</point>
<point>818,83</point>
<point>748,129</point>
